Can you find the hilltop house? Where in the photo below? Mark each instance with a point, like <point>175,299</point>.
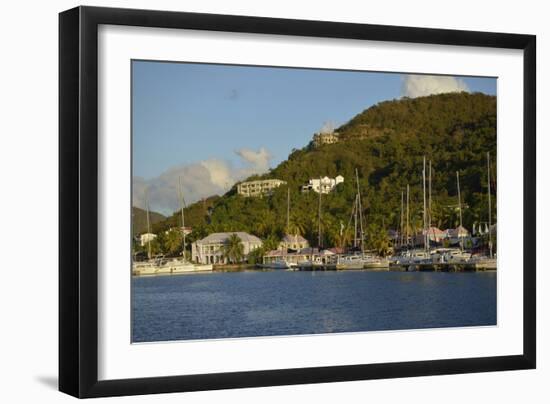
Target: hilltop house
<point>323,185</point>
<point>322,138</point>
<point>209,250</point>
<point>259,187</point>
<point>293,242</point>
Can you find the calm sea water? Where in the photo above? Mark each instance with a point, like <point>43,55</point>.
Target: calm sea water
<point>252,303</point>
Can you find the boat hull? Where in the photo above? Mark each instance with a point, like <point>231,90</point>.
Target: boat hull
<point>169,269</point>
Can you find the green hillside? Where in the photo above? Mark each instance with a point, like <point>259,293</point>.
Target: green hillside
<point>139,220</point>
<point>386,144</point>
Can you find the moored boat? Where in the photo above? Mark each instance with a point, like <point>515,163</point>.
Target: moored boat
<point>378,263</point>
<point>163,266</point>
<point>277,264</point>
<point>449,256</point>
<point>351,262</point>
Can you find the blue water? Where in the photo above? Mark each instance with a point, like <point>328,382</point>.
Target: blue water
<point>254,303</point>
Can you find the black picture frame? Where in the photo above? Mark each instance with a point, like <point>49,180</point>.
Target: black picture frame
<point>78,196</point>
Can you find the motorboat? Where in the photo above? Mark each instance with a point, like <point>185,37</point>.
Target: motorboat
<point>164,266</point>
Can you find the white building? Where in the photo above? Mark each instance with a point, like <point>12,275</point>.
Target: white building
<point>293,242</point>
<point>146,237</point>
<point>209,250</point>
<point>435,235</point>
<point>455,235</point>
<point>258,187</point>
<point>322,138</point>
<point>323,185</point>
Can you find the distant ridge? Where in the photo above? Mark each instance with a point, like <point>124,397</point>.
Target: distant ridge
<point>139,220</point>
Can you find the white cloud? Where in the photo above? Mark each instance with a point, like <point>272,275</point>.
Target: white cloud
<point>219,171</point>
<point>416,85</point>
<point>199,180</point>
<point>258,161</point>
<point>328,127</point>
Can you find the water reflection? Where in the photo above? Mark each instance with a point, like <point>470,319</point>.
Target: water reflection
<point>247,304</point>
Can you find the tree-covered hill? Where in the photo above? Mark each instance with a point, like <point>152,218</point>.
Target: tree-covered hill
<point>386,144</point>
<point>139,220</point>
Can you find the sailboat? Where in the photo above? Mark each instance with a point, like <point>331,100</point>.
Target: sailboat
<point>166,266</point>
<point>315,262</point>
<point>411,258</point>
<point>282,262</point>
<point>490,261</point>
<point>360,261</point>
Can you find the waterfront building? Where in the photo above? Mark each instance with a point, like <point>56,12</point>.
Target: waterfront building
<point>293,242</point>
<point>455,235</point>
<point>322,138</point>
<point>305,254</point>
<point>209,250</point>
<point>336,250</point>
<point>146,238</point>
<point>323,185</point>
<point>258,187</point>
<point>435,236</point>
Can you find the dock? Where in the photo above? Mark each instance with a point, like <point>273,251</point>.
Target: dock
<point>480,266</point>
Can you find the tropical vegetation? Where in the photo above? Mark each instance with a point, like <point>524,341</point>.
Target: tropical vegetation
<point>386,144</point>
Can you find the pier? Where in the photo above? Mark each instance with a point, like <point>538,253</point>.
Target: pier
<point>472,266</point>
<point>486,265</point>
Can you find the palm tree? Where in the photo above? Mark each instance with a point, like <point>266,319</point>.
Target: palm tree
<point>234,249</point>
<point>342,237</point>
<point>297,226</point>
<point>378,240</point>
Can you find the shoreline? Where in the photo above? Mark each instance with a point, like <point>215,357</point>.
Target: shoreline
<point>252,268</point>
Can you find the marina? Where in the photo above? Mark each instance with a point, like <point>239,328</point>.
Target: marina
<point>426,251</point>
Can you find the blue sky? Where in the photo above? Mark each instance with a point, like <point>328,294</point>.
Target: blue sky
<point>186,114</point>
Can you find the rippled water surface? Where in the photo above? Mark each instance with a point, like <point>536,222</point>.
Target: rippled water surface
<point>254,303</point>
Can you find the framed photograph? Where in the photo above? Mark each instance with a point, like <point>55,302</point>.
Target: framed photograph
<point>250,201</point>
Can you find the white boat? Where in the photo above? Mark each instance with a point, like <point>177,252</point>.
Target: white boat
<point>163,266</point>
<point>484,262</point>
<point>377,263</point>
<point>314,263</point>
<point>362,262</point>
<point>277,264</point>
<point>450,256</point>
<point>292,266</point>
<point>412,257</point>
<point>351,262</point>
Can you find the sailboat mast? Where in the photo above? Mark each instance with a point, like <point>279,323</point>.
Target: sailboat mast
<point>459,207</point>
<point>401,222</point>
<point>489,201</point>
<point>288,210</point>
<point>355,216</point>
<point>360,209</point>
<point>320,192</point>
<point>182,202</point>
<point>148,226</point>
<point>408,217</point>
<point>430,195</point>
<point>424,202</point>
